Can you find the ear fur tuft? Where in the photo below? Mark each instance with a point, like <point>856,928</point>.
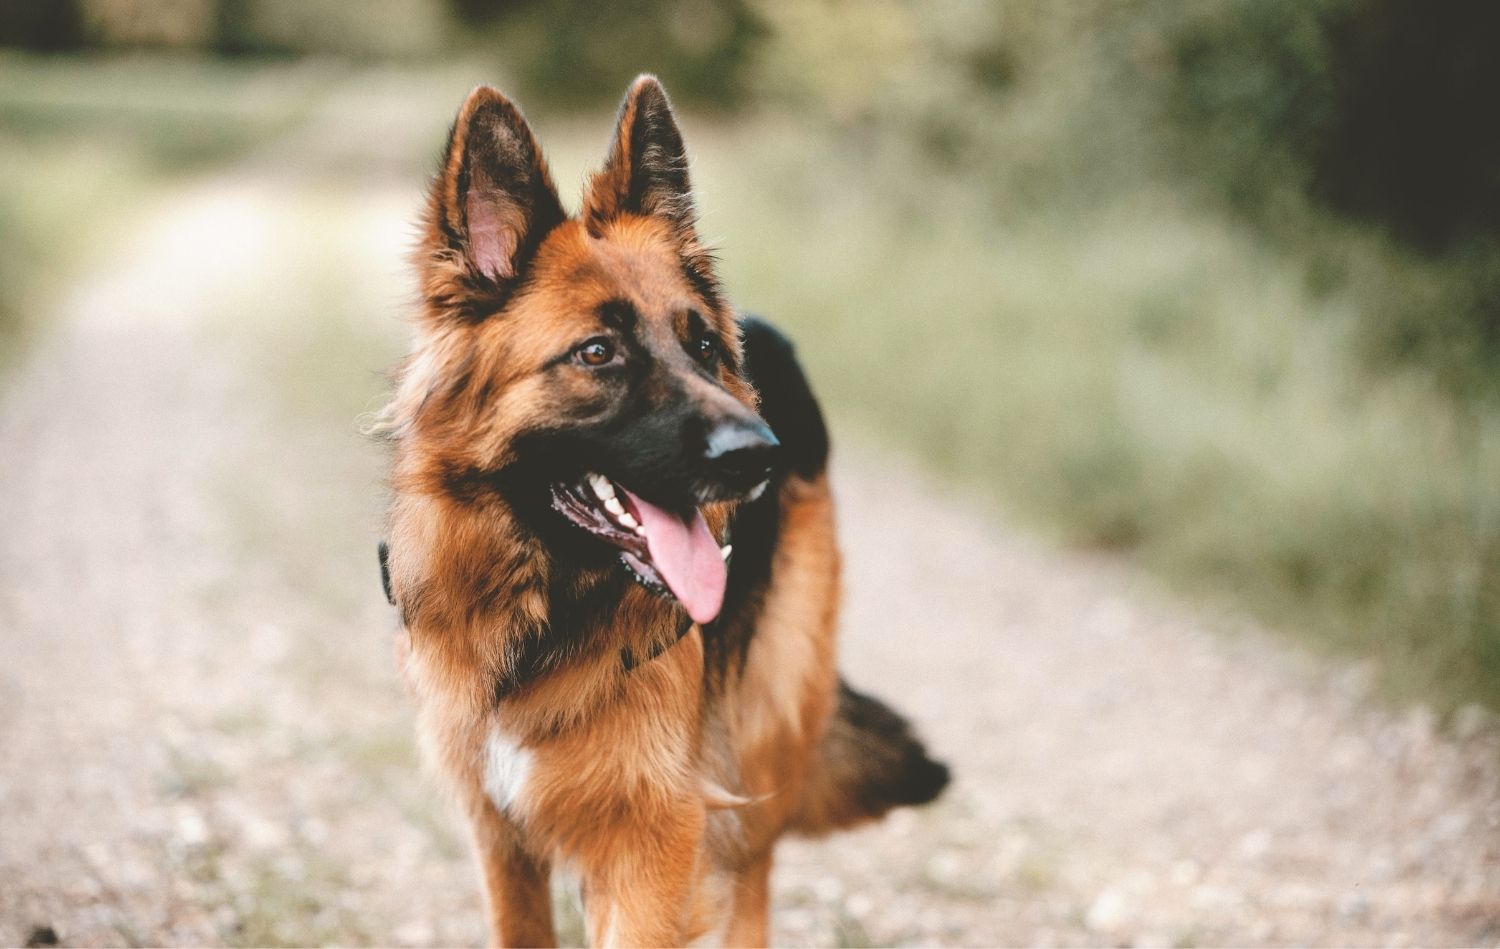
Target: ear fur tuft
<point>646,171</point>
<point>491,205</point>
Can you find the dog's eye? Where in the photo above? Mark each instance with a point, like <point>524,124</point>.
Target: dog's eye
<point>596,352</point>
<point>708,348</point>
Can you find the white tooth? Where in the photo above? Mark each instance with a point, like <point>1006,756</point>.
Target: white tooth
<point>640,530</point>
<point>602,487</point>
<point>627,521</point>
<point>758,490</point>
<point>725,550</point>
<point>613,506</point>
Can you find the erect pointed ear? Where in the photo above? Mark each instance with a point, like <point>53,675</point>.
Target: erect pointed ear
<point>646,171</point>
<point>493,200</point>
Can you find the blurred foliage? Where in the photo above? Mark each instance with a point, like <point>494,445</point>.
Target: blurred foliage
<point>1378,111</point>
<point>43,27</point>
<point>577,52</point>
<point>365,30</point>
<point>1388,104</point>
<point>369,29</point>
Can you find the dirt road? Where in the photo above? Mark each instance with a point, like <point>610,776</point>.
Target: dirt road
<point>204,741</point>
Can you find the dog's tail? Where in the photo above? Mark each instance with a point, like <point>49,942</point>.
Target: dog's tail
<point>869,763</point>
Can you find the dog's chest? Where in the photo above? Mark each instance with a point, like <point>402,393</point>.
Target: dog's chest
<point>507,766</point>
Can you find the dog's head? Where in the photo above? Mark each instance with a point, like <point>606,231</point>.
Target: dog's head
<point>585,370</point>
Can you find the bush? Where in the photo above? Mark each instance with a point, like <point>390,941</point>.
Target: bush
<point>578,53</point>
<point>1379,110</point>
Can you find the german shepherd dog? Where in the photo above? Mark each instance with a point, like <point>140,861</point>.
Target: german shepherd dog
<point>611,543</point>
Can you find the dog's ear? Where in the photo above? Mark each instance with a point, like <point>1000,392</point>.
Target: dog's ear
<point>647,169</point>
<point>492,203</point>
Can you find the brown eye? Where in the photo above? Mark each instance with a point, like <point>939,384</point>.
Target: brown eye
<point>596,352</point>
<point>708,348</point>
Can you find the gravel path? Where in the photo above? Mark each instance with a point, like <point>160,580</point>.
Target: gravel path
<point>205,742</point>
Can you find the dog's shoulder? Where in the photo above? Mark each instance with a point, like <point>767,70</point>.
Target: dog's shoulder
<point>786,398</point>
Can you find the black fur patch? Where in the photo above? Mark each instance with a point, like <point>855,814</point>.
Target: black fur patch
<point>574,609</point>
<point>481,298</point>
<point>704,282</point>
<point>384,550</point>
<point>628,660</point>
<point>580,604</point>
<point>620,314</point>
<point>788,406</point>
<point>659,176</point>
<point>753,533</point>
<point>537,651</point>
<point>896,768</point>
<point>786,399</point>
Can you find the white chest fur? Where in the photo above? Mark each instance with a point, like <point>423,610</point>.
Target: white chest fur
<point>506,768</point>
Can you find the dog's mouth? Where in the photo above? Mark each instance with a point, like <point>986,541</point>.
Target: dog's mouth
<point>667,552</point>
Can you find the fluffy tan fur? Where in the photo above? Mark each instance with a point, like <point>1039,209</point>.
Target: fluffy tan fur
<point>664,787</point>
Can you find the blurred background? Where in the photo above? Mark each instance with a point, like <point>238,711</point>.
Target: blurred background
<point>1200,301</point>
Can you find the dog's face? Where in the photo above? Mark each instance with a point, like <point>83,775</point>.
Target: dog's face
<point>586,370</point>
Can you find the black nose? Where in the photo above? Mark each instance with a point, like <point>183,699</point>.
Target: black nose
<point>741,452</point>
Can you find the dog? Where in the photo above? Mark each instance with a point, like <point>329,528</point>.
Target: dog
<point>611,546</point>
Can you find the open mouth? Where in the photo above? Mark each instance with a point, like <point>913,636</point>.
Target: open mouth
<point>668,553</point>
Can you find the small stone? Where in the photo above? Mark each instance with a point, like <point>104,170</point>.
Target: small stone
<point>828,890</point>
<point>190,827</point>
<point>1206,898</point>
<point>1353,905</point>
<point>1420,725</point>
<point>1108,913</point>
<point>416,932</point>
<point>1185,873</point>
<point>946,866</point>
<point>1254,845</point>
<point>1473,720</point>
<point>860,905</point>
<point>1451,826</point>
<point>98,856</point>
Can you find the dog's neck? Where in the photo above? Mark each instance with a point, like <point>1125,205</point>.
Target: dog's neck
<point>497,595</point>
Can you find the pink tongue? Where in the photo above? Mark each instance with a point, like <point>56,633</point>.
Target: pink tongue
<point>687,557</point>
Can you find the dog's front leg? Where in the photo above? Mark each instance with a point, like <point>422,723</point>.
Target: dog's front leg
<point>640,879</point>
<point>516,893</point>
<point>750,911</point>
